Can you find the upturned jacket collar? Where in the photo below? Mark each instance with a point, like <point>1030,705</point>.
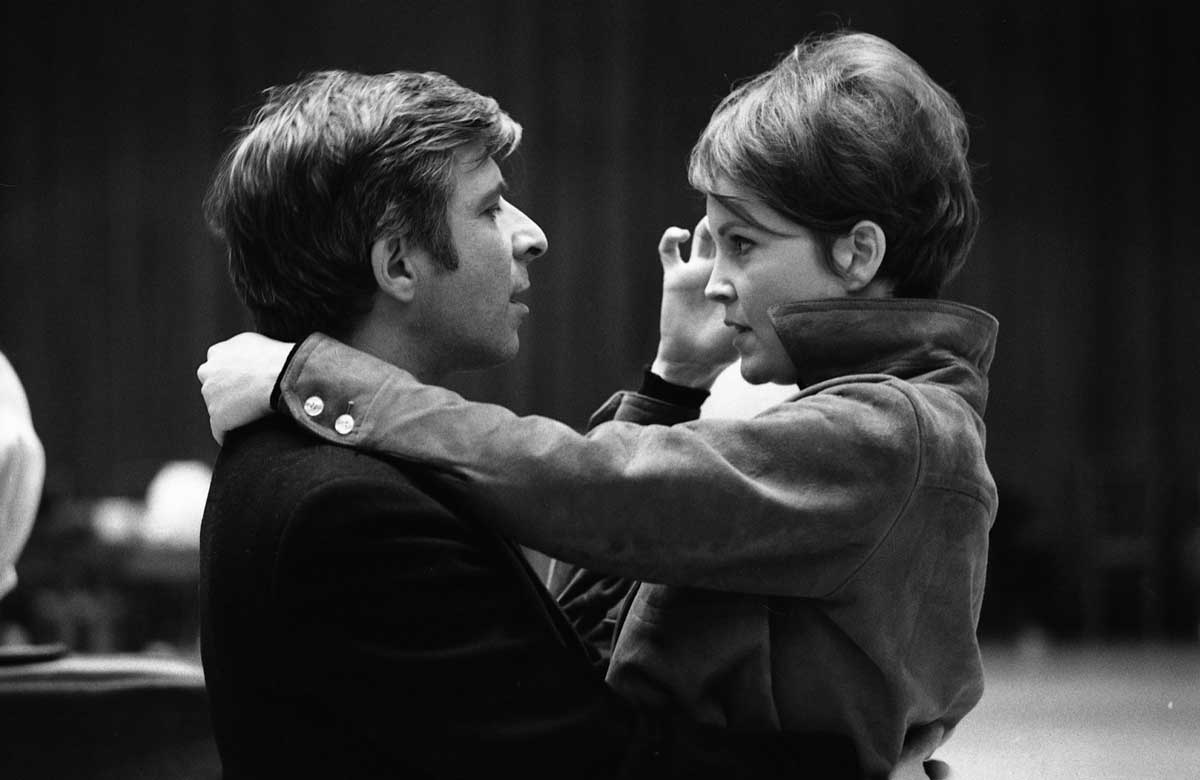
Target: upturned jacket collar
<point>909,338</point>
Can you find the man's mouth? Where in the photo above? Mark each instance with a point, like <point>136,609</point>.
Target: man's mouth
<point>737,326</point>
<point>518,302</point>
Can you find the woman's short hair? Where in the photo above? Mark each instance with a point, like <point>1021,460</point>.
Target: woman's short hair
<point>327,166</point>
<point>847,127</point>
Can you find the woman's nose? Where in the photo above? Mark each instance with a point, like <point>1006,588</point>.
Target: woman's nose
<point>718,288</point>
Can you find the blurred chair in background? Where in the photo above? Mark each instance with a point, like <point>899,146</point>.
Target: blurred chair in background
<point>109,717</point>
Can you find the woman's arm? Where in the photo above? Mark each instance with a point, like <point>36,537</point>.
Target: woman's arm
<point>790,502</point>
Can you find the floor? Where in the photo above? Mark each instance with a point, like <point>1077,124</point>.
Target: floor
<point>1118,712</point>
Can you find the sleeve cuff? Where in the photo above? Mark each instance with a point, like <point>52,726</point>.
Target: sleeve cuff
<point>654,386</point>
<point>279,379</point>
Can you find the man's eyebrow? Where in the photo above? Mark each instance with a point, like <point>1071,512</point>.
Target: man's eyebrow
<point>498,189</point>
<point>737,206</point>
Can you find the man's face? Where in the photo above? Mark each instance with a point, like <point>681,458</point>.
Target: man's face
<point>470,315</point>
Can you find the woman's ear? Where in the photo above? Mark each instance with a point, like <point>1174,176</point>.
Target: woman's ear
<point>394,270</point>
<point>858,254</point>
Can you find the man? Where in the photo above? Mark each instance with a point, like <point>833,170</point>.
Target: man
<point>357,620</point>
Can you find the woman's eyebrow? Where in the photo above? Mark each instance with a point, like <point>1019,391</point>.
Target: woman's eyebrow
<point>737,207</point>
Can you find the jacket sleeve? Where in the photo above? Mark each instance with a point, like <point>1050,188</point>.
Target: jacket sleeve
<point>593,601</point>
<point>434,655</point>
<point>791,502</point>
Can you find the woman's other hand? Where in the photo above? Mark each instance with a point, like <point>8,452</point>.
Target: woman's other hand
<point>238,378</point>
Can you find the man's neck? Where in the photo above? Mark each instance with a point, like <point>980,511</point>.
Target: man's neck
<point>389,343</point>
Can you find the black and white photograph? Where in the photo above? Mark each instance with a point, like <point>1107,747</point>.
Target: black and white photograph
<point>614,390</point>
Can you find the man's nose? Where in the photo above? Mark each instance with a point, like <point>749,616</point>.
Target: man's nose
<point>528,239</point>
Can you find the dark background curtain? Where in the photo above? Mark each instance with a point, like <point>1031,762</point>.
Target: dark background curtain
<point>1084,117</point>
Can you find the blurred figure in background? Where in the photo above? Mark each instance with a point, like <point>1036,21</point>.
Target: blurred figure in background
<point>22,471</point>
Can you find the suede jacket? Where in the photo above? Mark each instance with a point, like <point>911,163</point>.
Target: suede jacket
<point>818,567</point>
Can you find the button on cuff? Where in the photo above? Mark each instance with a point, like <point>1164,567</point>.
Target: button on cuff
<point>314,406</point>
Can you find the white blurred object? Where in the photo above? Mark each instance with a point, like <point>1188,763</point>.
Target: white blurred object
<point>118,520</point>
<point>175,504</point>
<point>734,397</point>
<point>22,472</point>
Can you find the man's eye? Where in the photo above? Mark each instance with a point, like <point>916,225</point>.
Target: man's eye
<point>492,210</point>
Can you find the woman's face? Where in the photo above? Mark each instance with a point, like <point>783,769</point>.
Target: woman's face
<point>763,259</point>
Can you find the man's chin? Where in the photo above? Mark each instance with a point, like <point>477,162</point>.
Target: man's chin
<point>510,350</point>
<point>502,354</point>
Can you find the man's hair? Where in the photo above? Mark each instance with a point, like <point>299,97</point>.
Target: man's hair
<point>847,127</point>
<point>327,166</point>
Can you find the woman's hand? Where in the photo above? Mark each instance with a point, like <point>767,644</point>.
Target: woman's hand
<point>694,343</point>
<point>238,378</point>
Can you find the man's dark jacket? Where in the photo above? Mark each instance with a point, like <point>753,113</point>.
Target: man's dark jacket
<point>355,623</point>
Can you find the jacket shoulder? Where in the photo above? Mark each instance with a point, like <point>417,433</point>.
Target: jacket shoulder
<point>273,480</point>
<point>275,460</point>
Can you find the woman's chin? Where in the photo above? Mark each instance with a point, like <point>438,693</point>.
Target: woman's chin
<point>759,372</point>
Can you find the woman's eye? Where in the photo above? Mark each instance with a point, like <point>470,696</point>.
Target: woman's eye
<point>740,244</point>
<point>492,210</point>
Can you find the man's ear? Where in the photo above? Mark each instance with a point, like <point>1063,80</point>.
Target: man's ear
<point>858,254</point>
<point>394,270</point>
